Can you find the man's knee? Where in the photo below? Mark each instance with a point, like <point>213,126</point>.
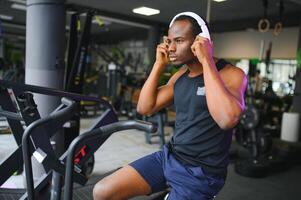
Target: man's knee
<point>102,191</point>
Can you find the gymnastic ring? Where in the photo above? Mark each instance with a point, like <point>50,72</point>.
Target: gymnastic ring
<point>263,25</point>
<point>277,28</point>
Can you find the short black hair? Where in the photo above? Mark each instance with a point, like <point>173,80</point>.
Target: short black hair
<point>196,29</point>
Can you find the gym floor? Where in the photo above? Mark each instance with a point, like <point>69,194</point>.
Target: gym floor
<point>126,146</point>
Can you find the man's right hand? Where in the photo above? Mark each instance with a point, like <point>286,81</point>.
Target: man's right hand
<point>162,54</point>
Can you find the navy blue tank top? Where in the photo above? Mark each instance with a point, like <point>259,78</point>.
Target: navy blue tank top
<point>197,139</point>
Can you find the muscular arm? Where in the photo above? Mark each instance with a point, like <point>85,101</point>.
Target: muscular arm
<point>224,89</point>
<point>224,93</point>
<point>152,99</point>
<point>150,93</point>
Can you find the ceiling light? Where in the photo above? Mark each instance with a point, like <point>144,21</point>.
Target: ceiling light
<point>18,6</point>
<point>219,0</point>
<point>6,17</point>
<point>146,11</point>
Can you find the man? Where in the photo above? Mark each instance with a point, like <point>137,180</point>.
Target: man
<point>208,98</point>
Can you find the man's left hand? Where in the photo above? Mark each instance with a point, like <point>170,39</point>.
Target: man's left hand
<point>202,48</point>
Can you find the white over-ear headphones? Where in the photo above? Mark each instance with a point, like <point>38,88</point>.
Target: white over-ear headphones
<point>200,21</point>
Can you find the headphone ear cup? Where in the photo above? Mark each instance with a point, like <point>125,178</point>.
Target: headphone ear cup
<point>205,32</point>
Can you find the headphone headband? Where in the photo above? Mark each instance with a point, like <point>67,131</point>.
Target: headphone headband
<point>200,21</point>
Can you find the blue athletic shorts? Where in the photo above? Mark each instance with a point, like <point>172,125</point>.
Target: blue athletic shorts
<point>161,170</point>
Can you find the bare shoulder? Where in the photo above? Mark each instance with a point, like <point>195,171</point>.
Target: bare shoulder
<point>177,75</point>
<point>231,69</point>
<point>232,74</point>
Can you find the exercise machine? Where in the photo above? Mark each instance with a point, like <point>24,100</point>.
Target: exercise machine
<point>20,110</point>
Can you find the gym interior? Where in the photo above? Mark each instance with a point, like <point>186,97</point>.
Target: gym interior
<point>71,73</point>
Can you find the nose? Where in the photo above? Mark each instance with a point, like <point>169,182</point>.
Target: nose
<point>172,47</point>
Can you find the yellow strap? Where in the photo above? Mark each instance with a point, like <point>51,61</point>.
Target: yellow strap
<point>99,21</point>
<point>78,25</point>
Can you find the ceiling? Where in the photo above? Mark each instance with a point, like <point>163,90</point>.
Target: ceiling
<point>230,15</point>
<point>230,10</point>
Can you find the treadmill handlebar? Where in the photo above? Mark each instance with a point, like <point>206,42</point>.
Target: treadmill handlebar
<point>67,102</point>
<point>64,112</point>
<point>98,135</point>
<point>54,122</point>
<point>52,92</point>
<point>125,125</point>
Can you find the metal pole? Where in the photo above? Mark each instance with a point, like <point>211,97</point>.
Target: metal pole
<point>208,11</point>
<point>45,50</point>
